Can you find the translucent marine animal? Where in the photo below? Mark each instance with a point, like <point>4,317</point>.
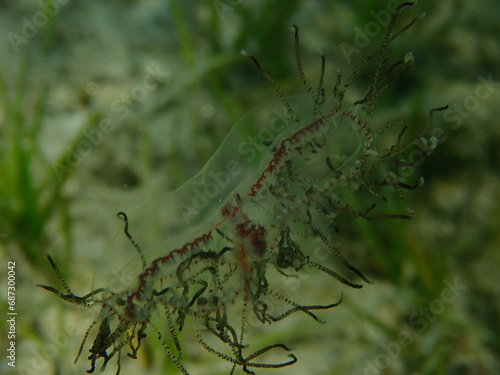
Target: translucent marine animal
<point>252,216</point>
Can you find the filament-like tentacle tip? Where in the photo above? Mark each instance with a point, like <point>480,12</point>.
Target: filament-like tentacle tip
<point>340,299</point>
<point>409,58</point>
<point>122,215</point>
<point>251,57</point>
<point>406,4</point>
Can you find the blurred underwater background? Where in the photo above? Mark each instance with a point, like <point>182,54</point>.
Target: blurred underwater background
<point>107,106</point>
